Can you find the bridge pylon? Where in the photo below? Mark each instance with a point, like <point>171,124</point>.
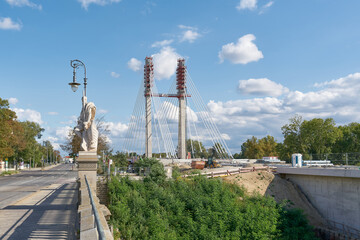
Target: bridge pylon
<point>181,92</point>
<point>148,83</point>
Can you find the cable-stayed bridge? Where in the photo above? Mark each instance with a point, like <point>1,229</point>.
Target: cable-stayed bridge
<point>174,124</point>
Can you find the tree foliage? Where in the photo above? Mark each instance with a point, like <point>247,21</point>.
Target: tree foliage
<point>257,148</point>
<point>119,159</point>
<point>350,139</point>
<point>315,136</point>
<point>196,148</point>
<point>198,208</point>
<point>19,140</point>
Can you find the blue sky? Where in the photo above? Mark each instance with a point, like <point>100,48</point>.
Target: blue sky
<point>255,63</point>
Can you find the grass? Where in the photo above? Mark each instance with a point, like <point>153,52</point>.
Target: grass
<point>6,173</point>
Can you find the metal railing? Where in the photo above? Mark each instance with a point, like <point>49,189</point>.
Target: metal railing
<point>140,171</point>
<point>99,227</point>
<point>336,158</point>
<point>229,172</point>
<point>344,229</point>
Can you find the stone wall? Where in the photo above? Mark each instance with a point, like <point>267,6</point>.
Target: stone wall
<point>102,190</point>
<point>88,228</point>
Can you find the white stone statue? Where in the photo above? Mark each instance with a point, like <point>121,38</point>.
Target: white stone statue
<point>86,127</point>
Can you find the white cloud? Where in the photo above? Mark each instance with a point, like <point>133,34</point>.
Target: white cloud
<point>28,115</point>
<point>190,34</point>
<point>265,7</point>
<point>7,24</point>
<point>102,111</point>
<point>162,43</point>
<point>53,113</point>
<point>85,3</point>
<point>165,63</point>
<point>186,27</point>
<point>116,129</point>
<point>24,3</point>
<point>72,120</point>
<point>243,52</point>
<point>54,142</point>
<point>241,119</point>
<point>170,112</point>
<point>115,75</point>
<point>262,87</point>
<point>62,133</point>
<point>247,4</point>
<point>13,101</point>
<point>134,64</point>
<point>269,4</point>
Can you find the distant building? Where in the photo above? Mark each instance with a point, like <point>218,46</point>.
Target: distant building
<point>271,159</point>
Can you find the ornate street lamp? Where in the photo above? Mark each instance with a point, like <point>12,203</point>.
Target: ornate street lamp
<point>74,85</point>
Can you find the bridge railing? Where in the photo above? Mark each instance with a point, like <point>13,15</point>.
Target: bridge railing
<point>352,158</point>
<point>229,172</point>
<point>93,224</point>
<point>344,229</point>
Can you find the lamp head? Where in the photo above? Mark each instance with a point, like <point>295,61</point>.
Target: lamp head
<point>74,86</point>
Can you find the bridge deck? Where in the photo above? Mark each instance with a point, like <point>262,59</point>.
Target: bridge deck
<point>48,213</point>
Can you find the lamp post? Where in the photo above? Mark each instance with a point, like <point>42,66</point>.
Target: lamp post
<point>75,64</point>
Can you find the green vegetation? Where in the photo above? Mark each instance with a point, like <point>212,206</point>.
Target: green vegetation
<point>18,140</point>
<point>317,138</point>
<point>119,159</point>
<point>6,173</point>
<point>198,208</point>
<point>257,148</point>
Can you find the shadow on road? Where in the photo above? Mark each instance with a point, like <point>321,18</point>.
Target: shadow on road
<point>54,216</point>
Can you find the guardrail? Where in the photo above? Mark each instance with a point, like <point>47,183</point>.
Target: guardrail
<point>100,229</point>
<point>230,172</point>
<point>93,224</point>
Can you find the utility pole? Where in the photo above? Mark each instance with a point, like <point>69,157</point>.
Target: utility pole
<point>47,152</point>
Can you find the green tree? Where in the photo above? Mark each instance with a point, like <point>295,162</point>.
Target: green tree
<point>251,149</point>
<point>268,146</point>
<point>31,132</point>
<point>315,136</point>
<point>237,155</point>
<point>119,159</point>
<point>318,135</point>
<point>349,140</point>
<point>255,148</point>
<point>11,132</point>
<point>218,151</point>
<point>196,148</point>
<point>292,138</point>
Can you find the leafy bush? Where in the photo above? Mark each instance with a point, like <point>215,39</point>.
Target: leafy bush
<point>198,208</point>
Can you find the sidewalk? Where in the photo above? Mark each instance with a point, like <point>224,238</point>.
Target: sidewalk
<point>31,169</point>
<point>50,213</point>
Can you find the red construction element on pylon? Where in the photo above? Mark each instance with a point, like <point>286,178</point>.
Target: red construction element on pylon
<point>148,75</point>
<point>181,77</point>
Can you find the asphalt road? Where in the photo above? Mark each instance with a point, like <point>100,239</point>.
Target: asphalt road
<point>39,204</point>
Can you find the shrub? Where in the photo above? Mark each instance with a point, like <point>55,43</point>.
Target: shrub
<point>198,208</point>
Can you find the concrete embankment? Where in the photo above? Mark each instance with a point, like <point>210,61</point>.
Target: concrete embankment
<point>335,193</point>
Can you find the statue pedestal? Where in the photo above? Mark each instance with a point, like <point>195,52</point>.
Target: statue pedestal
<point>88,166</point>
